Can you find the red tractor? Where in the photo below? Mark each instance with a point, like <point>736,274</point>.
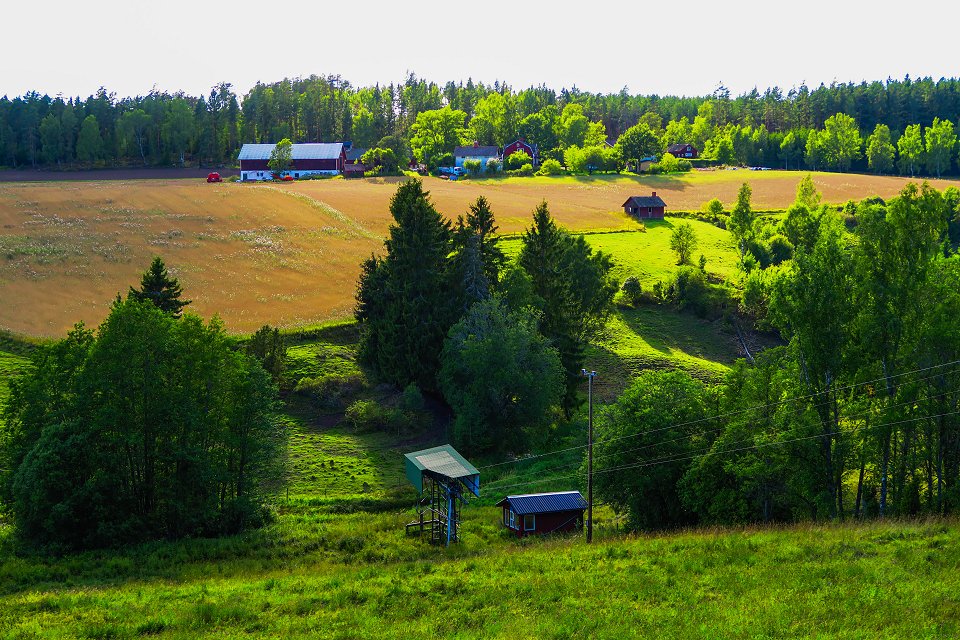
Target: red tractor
<point>214,177</point>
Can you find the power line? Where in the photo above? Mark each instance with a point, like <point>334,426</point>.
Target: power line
<point>709,452</point>
<point>727,414</point>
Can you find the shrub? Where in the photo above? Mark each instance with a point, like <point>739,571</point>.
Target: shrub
<point>525,170</point>
<point>412,399</point>
<point>690,291</point>
<point>632,290</point>
<point>331,390</point>
<point>669,163</point>
<point>473,167</point>
<point>493,165</point>
<point>550,167</point>
<point>370,415</point>
<point>779,249</point>
<point>684,165</point>
<point>713,207</point>
<point>517,159</point>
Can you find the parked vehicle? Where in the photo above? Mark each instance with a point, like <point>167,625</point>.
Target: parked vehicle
<point>451,171</point>
<point>214,177</point>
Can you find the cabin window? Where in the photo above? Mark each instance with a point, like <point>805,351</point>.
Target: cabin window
<point>529,522</point>
<point>506,517</point>
<point>513,523</point>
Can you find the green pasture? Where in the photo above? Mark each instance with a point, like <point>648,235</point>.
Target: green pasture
<point>337,575</point>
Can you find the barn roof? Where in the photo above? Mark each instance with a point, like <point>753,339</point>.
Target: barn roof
<point>354,153</point>
<point>302,151</point>
<point>442,462</point>
<point>645,201</point>
<point>476,151</point>
<point>545,502</point>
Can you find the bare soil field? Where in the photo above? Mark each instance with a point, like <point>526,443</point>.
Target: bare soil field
<point>289,254</point>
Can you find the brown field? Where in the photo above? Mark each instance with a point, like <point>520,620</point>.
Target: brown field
<point>289,254</point>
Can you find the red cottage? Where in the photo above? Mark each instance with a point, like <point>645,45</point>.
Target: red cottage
<point>683,151</point>
<point>308,159</point>
<point>651,206</point>
<point>541,513</point>
<point>520,145</point>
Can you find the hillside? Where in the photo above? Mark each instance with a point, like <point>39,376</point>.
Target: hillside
<point>289,254</point>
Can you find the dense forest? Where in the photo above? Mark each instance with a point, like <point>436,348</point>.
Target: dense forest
<point>904,125</point>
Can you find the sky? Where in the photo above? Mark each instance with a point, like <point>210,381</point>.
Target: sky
<point>667,48</point>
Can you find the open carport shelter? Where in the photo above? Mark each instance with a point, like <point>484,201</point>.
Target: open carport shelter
<point>541,513</point>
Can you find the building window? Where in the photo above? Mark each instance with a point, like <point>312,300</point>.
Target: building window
<point>529,522</point>
<point>506,517</point>
<point>513,523</point>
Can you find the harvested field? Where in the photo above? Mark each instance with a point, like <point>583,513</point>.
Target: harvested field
<point>289,254</point>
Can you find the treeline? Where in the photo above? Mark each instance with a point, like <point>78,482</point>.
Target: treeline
<point>772,129</point>
<point>858,415</point>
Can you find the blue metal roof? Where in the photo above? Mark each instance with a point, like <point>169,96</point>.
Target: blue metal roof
<point>300,151</point>
<point>545,502</point>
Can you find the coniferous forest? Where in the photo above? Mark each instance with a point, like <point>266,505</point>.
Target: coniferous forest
<point>903,126</point>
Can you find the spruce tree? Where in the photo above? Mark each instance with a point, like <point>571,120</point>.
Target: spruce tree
<point>407,301</point>
<point>158,287</point>
<point>575,286</point>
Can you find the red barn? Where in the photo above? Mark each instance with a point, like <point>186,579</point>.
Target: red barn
<point>521,145</point>
<point>327,158</point>
<point>541,513</point>
<point>683,151</point>
<point>651,206</point>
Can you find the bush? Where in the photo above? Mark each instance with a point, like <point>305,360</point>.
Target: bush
<point>412,399</point>
<point>331,390</point>
<point>669,163</point>
<point>370,415</point>
<point>632,290</point>
<point>690,291</point>
<point>473,167</point>
<point>684,165</point>
<point>525,170</point>
<point>779,249</point>
<point>713,207</point>
<point>551,168</point>
<point>493,165</point>
<point>517,160</point>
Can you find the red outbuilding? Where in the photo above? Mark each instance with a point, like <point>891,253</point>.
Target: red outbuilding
<point>521,145</point>
<point>542,513</point>
<point>651,206</point>
<point>683,151</point>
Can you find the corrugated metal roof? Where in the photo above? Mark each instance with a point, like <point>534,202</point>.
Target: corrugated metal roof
<point>645,201</point>
<point>354,153</point>
<point>476,152</point>
<point>302,151</point>
<point>545,502</point>
<point>442,461</point>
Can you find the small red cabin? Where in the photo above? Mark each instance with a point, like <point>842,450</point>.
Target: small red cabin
<point>651,206</point>
<point>521,145</point>
<point>542,513</point>
<point>214,177</point>
<point>683,151</point>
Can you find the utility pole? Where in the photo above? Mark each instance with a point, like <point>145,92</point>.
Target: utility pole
<point>590,376</point>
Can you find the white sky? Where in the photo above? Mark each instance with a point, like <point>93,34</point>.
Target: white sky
<point>131,46</point>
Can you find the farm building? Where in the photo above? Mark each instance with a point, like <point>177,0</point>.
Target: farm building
<point>683,151</point>
<point>540,513</point>
<point>475,152</point>
<point>521,145</point>
<point>651,206</point>
<point>325,158</point>
<point>353,155</point>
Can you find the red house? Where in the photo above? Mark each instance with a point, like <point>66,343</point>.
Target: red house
<point>651,206</point>
<point>683,151</point>
<point>542,513</point>
<point>311,158</point>
<point>521,145</point>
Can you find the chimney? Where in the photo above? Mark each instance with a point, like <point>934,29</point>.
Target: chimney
<point>475,144</point>
<point>654,195</point>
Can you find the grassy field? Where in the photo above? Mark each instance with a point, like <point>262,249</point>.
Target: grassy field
<point>289,254</point>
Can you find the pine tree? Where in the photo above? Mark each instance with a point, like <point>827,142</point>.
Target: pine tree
<point>158,287</point>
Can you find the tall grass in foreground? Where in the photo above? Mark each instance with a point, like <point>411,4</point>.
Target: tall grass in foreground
<point>357,576</point>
